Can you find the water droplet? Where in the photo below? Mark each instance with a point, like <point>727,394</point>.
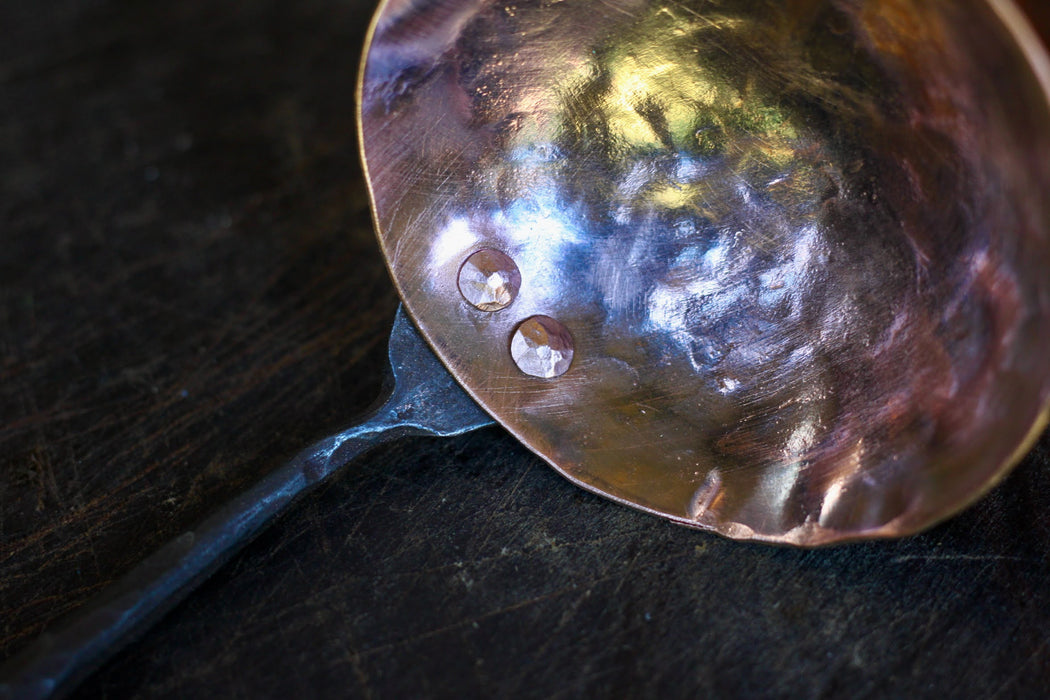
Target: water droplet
<point>542,347</point>
<point>489,280</point>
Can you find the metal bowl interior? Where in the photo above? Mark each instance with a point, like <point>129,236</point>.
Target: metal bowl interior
<point>801,247</point>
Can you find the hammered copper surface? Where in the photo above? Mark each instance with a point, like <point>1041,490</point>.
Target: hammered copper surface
<point>801,246</point>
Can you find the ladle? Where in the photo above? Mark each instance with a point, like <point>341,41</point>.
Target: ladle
<point>799,249</point>
<point>772,268</point>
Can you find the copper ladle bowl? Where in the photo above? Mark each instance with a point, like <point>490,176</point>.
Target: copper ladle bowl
<point>782,266</point>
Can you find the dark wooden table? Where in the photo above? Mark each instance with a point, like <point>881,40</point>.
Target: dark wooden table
<point>190,292</point>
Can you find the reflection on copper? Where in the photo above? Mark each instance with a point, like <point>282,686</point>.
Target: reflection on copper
<point>801,247</point>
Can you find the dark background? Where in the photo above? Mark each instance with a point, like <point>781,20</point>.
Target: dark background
<point>190,292</point>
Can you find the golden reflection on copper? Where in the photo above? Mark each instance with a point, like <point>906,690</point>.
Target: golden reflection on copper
<point>801,246</point>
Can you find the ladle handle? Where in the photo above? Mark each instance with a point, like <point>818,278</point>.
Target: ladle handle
<point>425,401</point>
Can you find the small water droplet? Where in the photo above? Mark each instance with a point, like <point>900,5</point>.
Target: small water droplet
<point>542,347</point>
<point>489,280</point>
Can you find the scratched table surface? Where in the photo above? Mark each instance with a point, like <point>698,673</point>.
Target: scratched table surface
<point>190,292</point>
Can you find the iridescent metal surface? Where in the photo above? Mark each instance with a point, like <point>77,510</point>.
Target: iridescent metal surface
<point>801,246</point>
